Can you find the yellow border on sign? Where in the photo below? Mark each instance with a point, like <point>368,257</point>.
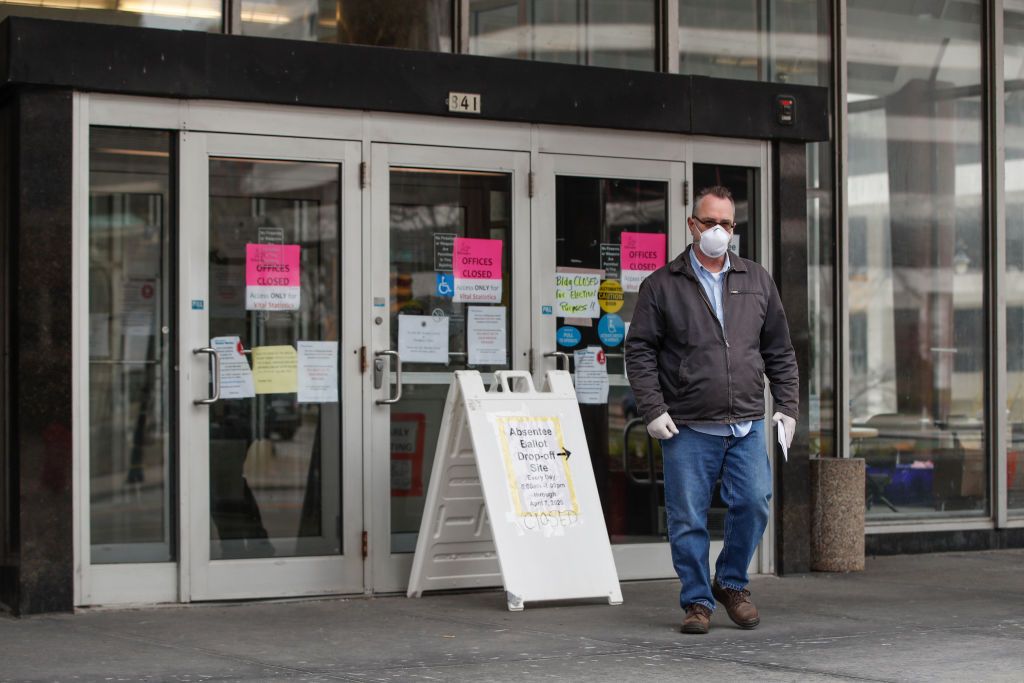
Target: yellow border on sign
<point>510,472</point>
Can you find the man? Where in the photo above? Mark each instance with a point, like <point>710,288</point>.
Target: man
<point>706,330</point>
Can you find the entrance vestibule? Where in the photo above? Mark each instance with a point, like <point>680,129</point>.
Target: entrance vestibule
<point>191,488</point>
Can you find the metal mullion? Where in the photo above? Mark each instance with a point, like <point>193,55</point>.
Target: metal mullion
<point>841,251</point>
<point>995,301</point>
<point>460,27</point>
<point>231,21</point>
<point>669,34</point>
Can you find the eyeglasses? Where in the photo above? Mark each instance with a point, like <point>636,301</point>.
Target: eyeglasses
<point>709,223</point>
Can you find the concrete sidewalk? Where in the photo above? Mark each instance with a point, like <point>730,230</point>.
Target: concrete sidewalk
<point>952,617</point>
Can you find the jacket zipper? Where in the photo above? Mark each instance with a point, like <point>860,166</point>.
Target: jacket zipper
<point>725,337</point>
<point>728,363</point>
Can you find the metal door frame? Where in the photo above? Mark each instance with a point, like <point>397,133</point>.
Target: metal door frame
<point>388,571</point>
<point>264,577</point>
<point>632,560</point>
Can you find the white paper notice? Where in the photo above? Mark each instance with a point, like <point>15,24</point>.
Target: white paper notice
<point>423,338</point>
<point>781,431</point>
<point>318,371</point>
<point>576,294</point>
<point>591,375</point>
<point>235,373</point>
<point>485,335</point>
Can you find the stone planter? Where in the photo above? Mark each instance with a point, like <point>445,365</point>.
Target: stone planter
<point>837,514</point>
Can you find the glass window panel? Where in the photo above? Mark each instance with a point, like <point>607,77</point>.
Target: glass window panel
<point>275,472</point>
<point>613,33</point>
<point>917,295</point>
<point>1013,72</point>
<point>756,40</point>
<point>130,351</point>
<point>590,216</point>
<point>190,15</point>
<point>414,24</point>
<point>430,209</point>
<point>782,41</point>
<point>7,500</point>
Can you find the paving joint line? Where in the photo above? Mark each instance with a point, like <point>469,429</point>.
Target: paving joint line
<point>213,653</point>
<point>570,657</point>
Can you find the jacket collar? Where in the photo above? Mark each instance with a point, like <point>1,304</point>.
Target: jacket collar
<point>681,264</point>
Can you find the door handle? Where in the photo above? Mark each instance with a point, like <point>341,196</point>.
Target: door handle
<point>560,357</point>
<point>378,375</point>
<point>215,376</point>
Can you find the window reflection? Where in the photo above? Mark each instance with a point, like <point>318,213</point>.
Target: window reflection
<point>274,463</point>
<point>429,210</point>
<point>591,215</point>
<point>782,42</point>
<point>413,24</point>
<point>1013,72</point>
<point>193,15</point>
<point>613,33</point>
<point>916,290</point>
<point>130,464</point>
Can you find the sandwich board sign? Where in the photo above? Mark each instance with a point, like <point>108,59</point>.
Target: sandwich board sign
<point>512,498</point>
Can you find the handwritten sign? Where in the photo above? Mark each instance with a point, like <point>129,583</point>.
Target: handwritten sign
<point>642,254</point>
<point>537,465</point>
<point>576,295</point>
<point>272,277</point>
<point>477,269</point>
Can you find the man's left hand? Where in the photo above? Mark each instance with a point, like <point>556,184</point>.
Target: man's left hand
<point>788,424</point>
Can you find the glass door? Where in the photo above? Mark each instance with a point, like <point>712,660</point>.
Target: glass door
<point>448,241</point>
<point>742,167</point>
<point>270,414</point>
<point>596,216</point>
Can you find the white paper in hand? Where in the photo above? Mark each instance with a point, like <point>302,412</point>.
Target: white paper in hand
<point>780,430</point>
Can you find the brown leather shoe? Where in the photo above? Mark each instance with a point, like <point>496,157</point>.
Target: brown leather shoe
<point>698,619</point>
<point>737,603</point>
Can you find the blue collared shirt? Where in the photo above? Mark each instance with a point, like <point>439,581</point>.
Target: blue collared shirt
<point>713,284</point>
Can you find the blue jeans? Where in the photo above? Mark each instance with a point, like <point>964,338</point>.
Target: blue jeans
<point>693,463</point>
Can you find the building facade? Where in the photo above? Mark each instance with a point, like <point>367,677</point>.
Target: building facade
<point>231,312</point>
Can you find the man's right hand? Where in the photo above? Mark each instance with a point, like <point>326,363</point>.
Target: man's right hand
<point>662,427</point>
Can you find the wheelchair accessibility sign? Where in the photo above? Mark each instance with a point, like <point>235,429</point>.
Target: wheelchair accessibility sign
<point>446,285</point>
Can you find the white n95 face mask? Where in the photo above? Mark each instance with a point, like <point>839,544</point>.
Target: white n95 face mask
<point>714,242</point>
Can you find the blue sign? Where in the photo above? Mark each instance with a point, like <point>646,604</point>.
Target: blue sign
<point>611,329</point>
<point>568,336</point>
<point>545,310</point>
<point>197,304</point>
<point>446,285</point>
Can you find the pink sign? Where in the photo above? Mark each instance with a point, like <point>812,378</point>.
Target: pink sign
<point>640,255</point>
<point>272,265</point>
<point>476,264</point>
<point>272,277</point>
<point>477,259</point>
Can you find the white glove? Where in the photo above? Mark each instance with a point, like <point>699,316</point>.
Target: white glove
<point>788,424</point>
<point>662,427</point>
